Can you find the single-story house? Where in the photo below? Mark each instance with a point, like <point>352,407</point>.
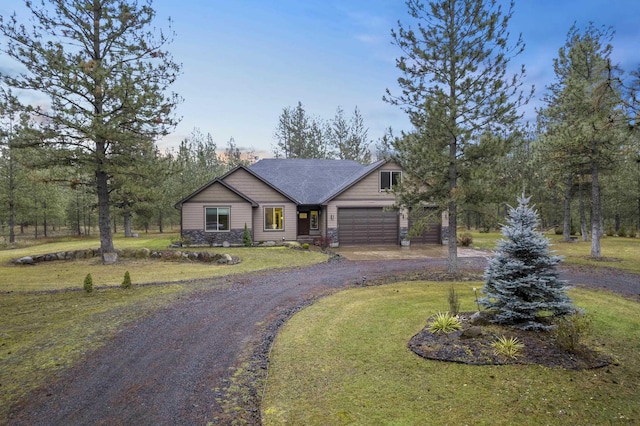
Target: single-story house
<point>303,200</point>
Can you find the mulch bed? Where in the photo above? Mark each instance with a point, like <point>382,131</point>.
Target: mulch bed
<point>539,348</point>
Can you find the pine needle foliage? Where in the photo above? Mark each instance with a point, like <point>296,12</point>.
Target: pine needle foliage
<point>126,282</point>
<point>521,280</point>
<point>87,284</point>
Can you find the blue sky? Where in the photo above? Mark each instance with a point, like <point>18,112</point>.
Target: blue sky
<point>245,60</point>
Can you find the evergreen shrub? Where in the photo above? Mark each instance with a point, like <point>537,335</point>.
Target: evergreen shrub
<point>88,283</point>
<point>522,284</point>
<point>246,237</point>
<point>622,231</point>
<point>126,282</point>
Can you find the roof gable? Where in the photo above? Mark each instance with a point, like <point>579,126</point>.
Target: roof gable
<point>216,181</point>
<point>309,181</point>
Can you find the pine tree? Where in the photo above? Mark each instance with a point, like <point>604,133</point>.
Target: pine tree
<point>456,85</point>
<point>521,280</point>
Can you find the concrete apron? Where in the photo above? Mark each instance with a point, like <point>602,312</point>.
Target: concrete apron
<point>399,252</point>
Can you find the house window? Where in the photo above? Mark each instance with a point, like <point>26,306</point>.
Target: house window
<point>273,218</point>
<point>314,219</point>
<point>389,179</point>
<point>216,219</point>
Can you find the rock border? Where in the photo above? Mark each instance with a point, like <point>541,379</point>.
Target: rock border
<point>141,253</point>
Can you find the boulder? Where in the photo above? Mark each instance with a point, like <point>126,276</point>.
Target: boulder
<point>481,318</point>
<point>471,332</point>
<point>26,260</point>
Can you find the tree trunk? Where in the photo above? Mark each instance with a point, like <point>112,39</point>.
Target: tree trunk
<point>596,213</point>
<point>452,264</point>
<point>106,240</point>
<point>44,219</point>
<point>160,221</point>
<point>12,203</point>
<point>566,222</point>
<point>127,224</point>
<point>584,231</point>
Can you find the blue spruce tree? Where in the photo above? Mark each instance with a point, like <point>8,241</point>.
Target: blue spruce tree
<point>521,280</point>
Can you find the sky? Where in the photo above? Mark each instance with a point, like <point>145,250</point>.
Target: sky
<point>244,61</point>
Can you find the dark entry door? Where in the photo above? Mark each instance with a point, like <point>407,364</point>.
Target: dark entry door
<point>303,223</point>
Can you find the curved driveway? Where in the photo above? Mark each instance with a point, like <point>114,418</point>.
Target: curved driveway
<point>173,367</point>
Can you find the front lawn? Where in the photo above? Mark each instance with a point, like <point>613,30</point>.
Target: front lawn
<point>344,360</point>
<point>55,275</point>
<point>617,252</point>
<point>43,330</point>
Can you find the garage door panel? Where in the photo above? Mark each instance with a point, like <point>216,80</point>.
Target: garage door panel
<point>432,233</point>
<point>367,226</point>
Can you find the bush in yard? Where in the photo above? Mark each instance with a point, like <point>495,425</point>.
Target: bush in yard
<point>126,282</point>
<point>521,280</point>
<point>622,231</point>
<point>632,232</point>
<point>454,301</point>
<point>610,231</point>
<point>88,283</point>
<point>465,239</point>
<point>571,330</point>
<point>246,237</point>
<point>305,246</point>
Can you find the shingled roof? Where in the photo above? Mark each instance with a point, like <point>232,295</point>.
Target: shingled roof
<point>311,181</point>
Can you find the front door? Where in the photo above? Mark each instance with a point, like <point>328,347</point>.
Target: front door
<point>303,223</point>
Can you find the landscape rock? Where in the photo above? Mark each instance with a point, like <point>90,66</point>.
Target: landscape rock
<point>481,318</point>
<point>471,332</point>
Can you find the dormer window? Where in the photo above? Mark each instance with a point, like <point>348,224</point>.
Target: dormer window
<point>389,179</point>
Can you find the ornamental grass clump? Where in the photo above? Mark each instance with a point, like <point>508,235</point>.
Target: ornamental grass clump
<point>507,347</point>
<point>444,323</point>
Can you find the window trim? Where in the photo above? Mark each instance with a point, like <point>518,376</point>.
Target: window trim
<point>391,185</point>
<point>264,218</point>
<point>217,218</point>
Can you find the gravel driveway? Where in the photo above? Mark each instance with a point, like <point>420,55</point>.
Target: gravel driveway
<point>174,367</point>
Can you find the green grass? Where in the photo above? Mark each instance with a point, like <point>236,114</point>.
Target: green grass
<point>70,274</point>
<point>617,252</point>
<point>42,332</point>
<point>344,360</point>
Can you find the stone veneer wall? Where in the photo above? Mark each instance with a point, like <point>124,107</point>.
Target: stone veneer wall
<point>403,232</point>
<point>199,236</point>
<point>332,235</point>
<point>444,234</point>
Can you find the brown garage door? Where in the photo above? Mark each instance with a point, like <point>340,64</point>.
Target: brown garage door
<point>432,232</point>
<point>367,226</point>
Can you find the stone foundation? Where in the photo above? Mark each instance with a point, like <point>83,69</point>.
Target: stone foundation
<point>200,237</point>
<point>332,236</point>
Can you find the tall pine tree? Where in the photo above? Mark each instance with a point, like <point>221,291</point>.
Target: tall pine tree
<point>103,68</point>
<point>456,86</point>
<point>521,280</point>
